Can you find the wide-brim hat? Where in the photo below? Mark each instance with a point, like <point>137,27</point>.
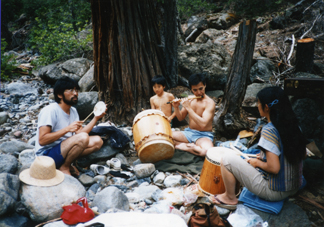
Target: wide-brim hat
<point>42,172</point>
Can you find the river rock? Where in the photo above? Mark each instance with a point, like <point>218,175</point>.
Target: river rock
<point>172,181</point>
<point>9,186</point>
<point>14,146</point>
<point>8,164</point>
<point>145,191</point>
<point>45,203</point>
<point>111,197</point>
<point>144,170</point>
<point>14,220</point>
<point>3,117</point>
<point>26,157</point>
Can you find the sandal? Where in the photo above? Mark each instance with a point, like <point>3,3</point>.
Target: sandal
<point>221,204</point>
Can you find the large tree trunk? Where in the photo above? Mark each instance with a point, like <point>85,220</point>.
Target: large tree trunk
<point>228,121</point>
<point>128,53</point>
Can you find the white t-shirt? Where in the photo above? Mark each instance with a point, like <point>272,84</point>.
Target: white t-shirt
<point>53,115</point>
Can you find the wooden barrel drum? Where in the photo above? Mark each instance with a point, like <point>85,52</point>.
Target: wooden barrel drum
<point>211,180</point>
<point>152,136</point>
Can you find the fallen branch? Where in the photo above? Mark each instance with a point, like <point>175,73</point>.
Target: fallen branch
<point>291,50</point>
<point>310,6</point>
<point>192,178</point>
<point>311,26</point>
<point>311,202</point>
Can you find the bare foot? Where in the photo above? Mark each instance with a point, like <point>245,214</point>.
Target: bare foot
<point>184,146</point>
<point>191,145</point>
<point>74,171</point>
<point>65,170</point>
<point>222,198</point>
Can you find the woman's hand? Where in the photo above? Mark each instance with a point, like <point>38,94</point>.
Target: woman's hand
<point>254,162</point>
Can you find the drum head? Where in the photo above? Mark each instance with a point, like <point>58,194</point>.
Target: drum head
<point>146,113</point>
<point>156,150</point>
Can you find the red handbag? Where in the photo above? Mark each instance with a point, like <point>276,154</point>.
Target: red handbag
<point>74,213</point>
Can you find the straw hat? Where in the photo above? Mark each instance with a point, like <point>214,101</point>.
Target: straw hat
<point>42,172</point>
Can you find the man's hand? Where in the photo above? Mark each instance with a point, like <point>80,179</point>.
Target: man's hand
<point>185,103</point>
<point>75,126</point>
<point>101,115</point>
<point>176,103</point>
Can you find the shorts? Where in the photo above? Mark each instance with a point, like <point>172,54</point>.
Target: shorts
<point>55,153</point>
<point>193,135</point>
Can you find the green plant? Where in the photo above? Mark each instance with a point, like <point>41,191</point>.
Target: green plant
<point>187,8</point>
<point>8,63</point>
<point>57,42</point>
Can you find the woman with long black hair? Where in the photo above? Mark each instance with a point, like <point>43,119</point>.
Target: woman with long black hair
<point>277,172</point>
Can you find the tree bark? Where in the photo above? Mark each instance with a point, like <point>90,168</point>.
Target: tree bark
<point>228,121</point>
<point>305,55</point>
<point>128,53</point>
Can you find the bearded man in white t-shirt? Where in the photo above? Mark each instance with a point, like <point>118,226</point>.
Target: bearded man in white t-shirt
<point>60,134</point>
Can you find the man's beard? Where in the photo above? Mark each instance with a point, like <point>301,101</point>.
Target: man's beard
<point>70,102</point>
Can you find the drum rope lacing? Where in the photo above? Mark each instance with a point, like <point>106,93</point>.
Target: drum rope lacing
<point>139,144</point>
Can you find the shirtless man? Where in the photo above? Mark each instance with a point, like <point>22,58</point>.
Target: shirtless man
<point>60,134</point>
<point>161,97</point>
<point>198,138</point>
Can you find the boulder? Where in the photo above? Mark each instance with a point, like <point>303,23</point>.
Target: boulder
<point>111,197</point>
<point>19,88</point>
<point>252,90</point>
<point>86,83</point>
<point>8,164</point>
<point>45,203</point>
<point>211,59</point>
<point>105,152</point>
<point>262,69</point>
<point>86,103</point>
<point>9,187</point>
<point>73,68</point>
<point>26,157</point>
<point>76,66</point>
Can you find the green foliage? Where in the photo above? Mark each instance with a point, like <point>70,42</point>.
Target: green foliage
<point>8,63</point>
<point>187,8</point>
<point>55,31</point>
<point>57,42</point>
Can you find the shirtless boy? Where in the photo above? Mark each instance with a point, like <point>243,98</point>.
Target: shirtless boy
<point>159,101</point>
<point>198,138</point>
